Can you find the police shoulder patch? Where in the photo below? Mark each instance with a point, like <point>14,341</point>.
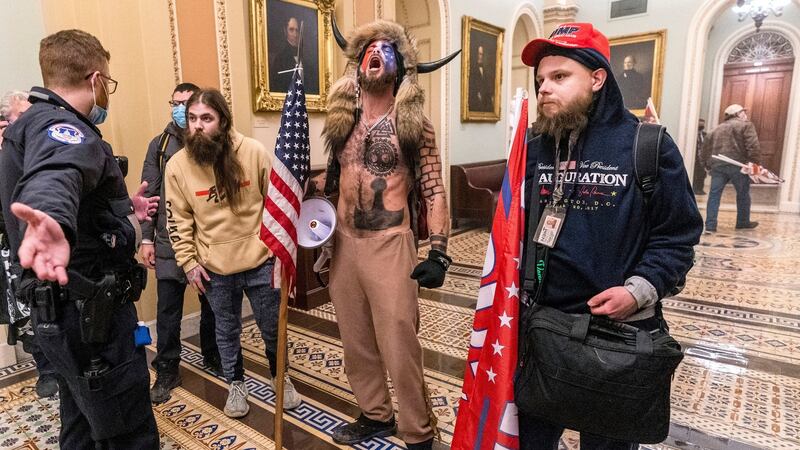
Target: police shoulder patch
<point>65,133</point>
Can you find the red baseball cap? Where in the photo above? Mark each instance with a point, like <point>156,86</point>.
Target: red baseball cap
<point>567,35</point>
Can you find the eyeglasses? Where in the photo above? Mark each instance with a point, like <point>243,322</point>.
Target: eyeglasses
<point>174,103</point>
<point>112,83</point>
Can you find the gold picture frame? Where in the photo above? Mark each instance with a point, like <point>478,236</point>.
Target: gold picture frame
<point>480,83</point>
<point>646,76</point>
<point>269,45</point>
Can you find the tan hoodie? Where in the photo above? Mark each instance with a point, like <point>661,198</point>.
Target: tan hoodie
<point>202,227</point>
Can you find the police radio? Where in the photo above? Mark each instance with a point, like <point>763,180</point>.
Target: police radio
<point>122,161</point>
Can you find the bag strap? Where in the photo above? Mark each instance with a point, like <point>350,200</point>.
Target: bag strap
<point>646,153</point>
<point>162,145</point>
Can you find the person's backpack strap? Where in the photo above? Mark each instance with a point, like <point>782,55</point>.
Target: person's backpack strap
<point>646,152</point>
<point>162,150</point>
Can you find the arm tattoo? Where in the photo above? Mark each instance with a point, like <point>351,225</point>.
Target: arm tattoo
<point>432,187</point>
<point>431,165</point>
<point>439,242</point>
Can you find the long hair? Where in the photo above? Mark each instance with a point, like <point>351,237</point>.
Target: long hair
<point>228,171</point>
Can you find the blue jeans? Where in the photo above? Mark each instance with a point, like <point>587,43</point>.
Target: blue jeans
<point>720,176</point>
<point>224,294</point>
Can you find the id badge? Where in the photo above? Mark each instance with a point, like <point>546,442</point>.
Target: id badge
<point>549,226</point>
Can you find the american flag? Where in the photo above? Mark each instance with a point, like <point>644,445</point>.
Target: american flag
<point>487,414</point>
<point>287,179</point>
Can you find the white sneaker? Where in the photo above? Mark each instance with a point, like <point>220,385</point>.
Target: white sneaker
<point>237,406</point>
<point>291,399</point>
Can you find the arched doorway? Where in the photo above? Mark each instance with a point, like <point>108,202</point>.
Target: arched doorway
<point>521,75</point>
<point>758,75</point>
<point>700,26</point>
<point>526,25</point>
<point>424,19</point>
<point>421,18</point>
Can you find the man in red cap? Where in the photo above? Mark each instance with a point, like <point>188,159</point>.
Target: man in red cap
<point>599,248</point>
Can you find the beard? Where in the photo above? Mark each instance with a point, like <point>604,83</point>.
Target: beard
<point>574,116</point>
<point>205,149</point>
<point>379,83</point>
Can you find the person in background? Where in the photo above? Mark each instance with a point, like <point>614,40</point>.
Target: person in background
<point>12,105</point>
<point>699,178</point>
<point>736,138</point>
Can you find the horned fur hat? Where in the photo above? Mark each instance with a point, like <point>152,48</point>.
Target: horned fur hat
<point>409,98</point>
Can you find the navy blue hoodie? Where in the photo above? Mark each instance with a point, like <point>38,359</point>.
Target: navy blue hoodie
<point>601,244</point>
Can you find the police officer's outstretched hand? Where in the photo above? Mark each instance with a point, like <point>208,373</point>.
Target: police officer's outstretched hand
<point>44,248</point>
<point>144,207</point>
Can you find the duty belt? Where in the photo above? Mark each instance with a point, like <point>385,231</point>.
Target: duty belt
<point>96,301</point>
<point>122,287</point>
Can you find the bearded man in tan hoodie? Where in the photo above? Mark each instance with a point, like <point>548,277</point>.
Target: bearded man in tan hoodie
<point>215,199</point>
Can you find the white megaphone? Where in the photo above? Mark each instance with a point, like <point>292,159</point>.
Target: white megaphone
<point>317,222</point>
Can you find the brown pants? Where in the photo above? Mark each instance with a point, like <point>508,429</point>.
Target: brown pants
<point>378,314</point>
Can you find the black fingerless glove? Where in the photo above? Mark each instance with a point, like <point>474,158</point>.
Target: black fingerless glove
<point>430,273</point>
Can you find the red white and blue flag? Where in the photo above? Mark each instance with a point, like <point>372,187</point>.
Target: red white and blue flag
<point>287,179</point>
<point>487,414</point>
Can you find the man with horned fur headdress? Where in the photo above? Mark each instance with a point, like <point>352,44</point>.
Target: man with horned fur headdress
<point>383,162</point>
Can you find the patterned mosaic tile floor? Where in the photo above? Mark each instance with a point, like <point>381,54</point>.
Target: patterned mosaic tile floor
<point>185,422</point>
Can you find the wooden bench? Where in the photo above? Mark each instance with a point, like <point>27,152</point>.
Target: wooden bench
<point>474,189</point>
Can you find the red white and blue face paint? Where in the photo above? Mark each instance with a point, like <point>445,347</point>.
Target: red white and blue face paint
<point>379,59</point>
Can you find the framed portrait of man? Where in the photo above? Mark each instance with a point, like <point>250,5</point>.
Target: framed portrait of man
<point>638,63</point>
<point>481,70</point>
<point>283,34</point>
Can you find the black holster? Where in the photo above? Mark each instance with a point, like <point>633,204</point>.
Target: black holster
<point>104,297</point>
<point>96,312</point>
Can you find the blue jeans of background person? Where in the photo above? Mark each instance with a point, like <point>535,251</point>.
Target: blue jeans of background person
<point>720,176</point>
<point>536,434</point>
<point>224,293</point>
<point>168,325</point>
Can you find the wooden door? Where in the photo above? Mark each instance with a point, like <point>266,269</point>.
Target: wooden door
<point>764,90</point>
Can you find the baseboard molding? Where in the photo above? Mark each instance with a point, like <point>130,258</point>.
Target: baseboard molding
<point>791,207</point>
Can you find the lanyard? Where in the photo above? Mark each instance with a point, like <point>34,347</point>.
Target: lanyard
<point>558,191</point>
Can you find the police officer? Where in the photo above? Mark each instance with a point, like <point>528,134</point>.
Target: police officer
<point>72,224</point>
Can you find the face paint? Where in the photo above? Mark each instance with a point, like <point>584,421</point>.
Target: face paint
<point>379,56</point>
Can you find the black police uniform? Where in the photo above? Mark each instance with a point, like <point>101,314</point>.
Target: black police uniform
<point>54,160</point>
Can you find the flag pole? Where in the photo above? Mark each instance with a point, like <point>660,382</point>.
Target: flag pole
<point>283,317</point>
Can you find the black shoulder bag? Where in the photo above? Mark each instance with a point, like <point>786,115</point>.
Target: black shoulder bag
<point>589,373</point>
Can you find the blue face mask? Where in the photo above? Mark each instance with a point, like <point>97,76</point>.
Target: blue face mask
<point>97,115</point>
<point>179,115</point>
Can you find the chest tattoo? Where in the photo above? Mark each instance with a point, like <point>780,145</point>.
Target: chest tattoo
<point>380,153</point>
<point>377,218</point>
